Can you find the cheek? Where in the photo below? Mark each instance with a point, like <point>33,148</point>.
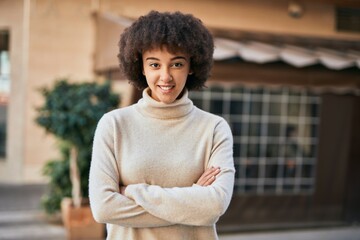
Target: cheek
<point>184,77</point>
<point>145,73</point>
<point>150,78</point>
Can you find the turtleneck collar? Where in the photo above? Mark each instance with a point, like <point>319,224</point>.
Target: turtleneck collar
<point>152,108</point>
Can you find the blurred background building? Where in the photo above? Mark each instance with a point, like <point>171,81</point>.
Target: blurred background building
<point>286,77</point>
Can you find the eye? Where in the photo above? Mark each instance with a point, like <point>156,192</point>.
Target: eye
<point>154,65</point>
<point>177,64</point>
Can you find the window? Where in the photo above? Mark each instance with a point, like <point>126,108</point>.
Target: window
<point>275,135</point>
<point>348,19</point>
<point>4,88</point>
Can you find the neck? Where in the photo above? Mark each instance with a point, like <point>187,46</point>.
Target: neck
<point>152,108</point>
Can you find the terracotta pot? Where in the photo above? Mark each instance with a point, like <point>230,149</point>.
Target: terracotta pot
<point>79,222</point>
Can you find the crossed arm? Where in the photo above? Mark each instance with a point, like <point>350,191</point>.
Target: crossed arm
<point>206,179</point>
<point>142,205</point>
<point>108,206</point>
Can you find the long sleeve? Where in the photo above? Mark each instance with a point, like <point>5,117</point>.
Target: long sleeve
<point>193,205</point>
<point>107,204</point>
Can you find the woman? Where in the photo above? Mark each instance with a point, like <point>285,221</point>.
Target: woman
<point>162,168</point>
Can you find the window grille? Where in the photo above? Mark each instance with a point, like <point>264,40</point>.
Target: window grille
<point>275,135</point>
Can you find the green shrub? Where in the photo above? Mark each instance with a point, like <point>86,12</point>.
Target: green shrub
<point>71,112</point>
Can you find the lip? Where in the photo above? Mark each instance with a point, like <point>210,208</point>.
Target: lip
<point>166,88</point>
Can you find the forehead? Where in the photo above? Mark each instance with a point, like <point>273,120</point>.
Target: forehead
<point>163,52</point>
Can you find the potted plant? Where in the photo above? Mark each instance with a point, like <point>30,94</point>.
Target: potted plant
<point>71,112</point>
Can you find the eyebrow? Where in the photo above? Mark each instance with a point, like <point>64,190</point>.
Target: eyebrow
<point>172,59</point>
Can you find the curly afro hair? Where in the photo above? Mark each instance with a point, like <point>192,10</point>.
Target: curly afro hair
<point>176,31</point>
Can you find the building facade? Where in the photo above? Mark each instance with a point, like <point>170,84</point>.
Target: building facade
<point>286,77</point>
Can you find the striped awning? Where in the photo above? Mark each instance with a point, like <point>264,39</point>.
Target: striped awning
<point>297,56</point>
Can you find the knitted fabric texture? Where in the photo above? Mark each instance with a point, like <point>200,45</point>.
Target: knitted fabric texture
<point>159,151</point>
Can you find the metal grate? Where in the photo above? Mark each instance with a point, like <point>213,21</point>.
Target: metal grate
<point>275,136</point>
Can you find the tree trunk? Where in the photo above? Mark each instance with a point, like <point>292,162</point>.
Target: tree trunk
<point>75,177</point>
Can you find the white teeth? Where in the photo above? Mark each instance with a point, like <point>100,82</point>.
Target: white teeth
<point>166,87</point>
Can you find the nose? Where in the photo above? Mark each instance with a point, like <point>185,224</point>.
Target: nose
<point>165,76</point>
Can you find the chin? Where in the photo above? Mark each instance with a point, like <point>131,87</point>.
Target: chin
<point>168,101</point>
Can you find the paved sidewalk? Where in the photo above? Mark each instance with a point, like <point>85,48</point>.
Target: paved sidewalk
<point>28,225</point>
<point>21,217</point>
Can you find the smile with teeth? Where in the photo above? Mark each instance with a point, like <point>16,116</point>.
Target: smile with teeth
<point>166,88</point>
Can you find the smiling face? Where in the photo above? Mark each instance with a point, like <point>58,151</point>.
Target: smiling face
<point>165,73</point>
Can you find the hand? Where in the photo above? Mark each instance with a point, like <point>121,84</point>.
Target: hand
<point>208,177</point>
<point>122,190</point>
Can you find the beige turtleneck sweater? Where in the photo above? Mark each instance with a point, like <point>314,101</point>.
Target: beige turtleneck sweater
<point>159,151</point>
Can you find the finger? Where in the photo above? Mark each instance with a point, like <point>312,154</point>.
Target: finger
<point>201,181</point>
<point>209,179</point>
<point>213,171</point>
<point>208,172</point>
<point>205,175</point>
<point>217,171</point>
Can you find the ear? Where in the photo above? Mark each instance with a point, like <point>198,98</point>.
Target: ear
<point>191,72</point>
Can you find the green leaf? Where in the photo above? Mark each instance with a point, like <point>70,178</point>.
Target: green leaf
<point>71,112</point>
